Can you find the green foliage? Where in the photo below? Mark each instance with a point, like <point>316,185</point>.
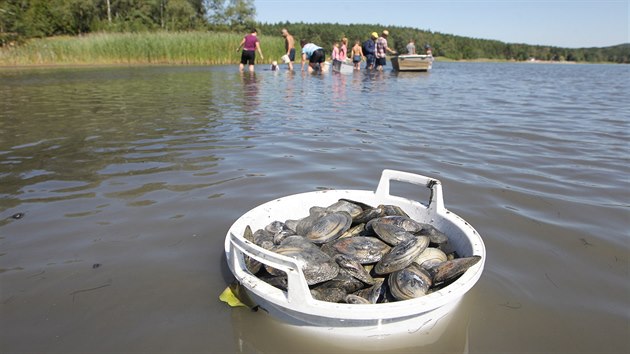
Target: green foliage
<point>24,19</point>
<point>236,15</point>
<point>446,45</point>
<point>162,47</point>
<point>179,15</point>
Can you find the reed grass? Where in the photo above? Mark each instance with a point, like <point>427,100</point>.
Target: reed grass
<point>203,48</point>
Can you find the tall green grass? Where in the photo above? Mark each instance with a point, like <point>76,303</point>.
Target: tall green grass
<point>207,48</point>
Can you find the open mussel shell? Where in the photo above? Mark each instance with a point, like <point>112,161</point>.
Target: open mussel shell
<point>401,255</point>
<point>328,227</point>
<point>450,270</point>
<point>409,283</point>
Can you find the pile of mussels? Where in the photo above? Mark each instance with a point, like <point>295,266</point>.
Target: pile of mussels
<point>354,253</point>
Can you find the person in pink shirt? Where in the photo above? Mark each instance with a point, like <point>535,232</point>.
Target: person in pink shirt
<point>335,51</point>
<point>343,50</point>
<point>249,44</point>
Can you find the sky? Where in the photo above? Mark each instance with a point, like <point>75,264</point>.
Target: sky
<point>560,23</point>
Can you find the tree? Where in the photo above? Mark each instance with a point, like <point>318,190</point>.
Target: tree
<point>179,15</point>
<point>237,14</point>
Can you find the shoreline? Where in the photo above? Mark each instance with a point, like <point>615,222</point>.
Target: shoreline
<point>96,65</point>
<point>144,64</point>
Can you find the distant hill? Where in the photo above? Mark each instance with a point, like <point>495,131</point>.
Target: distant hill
<point>448,45</point>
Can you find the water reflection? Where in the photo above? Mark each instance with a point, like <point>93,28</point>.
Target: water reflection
<point>260,333</point>
<point>250,94</point>
<point>78,133</point>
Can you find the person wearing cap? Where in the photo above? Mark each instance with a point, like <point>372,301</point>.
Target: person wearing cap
<point>369,50</point>
<point>427,48</point>
<point>382,49</point>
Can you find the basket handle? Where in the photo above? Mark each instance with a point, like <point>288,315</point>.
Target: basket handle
<point>436,200</point>
<point>297,288</point>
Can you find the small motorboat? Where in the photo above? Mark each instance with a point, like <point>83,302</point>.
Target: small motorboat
<point>412,62</point>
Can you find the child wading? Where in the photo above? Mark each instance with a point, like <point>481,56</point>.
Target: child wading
<point>357,55</point>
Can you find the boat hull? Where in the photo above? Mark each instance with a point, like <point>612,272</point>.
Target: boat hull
<point>412,62</point>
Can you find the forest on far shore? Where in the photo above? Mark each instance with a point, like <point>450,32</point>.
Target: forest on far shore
<point>21,20</point>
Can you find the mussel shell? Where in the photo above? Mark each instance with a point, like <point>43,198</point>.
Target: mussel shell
<point>369,214</point>
<point>374,293</point>
<point>356,230</point>
<point>248,234</point>
<point>329,227</point>
<point>394,210</point>
<point>305,224</point>
<point>317,265</point>
<point>436,236</point>
<point>344,205</point>
<point>356,300</point>
<point>292,224</point>
<point>406,223</point>
<point>360,204</point>
<point>354,268</point>
<point>252,265</point>
<point>410,282</point>
<point>344,281</point>
<point>391,234</point>
<point>430,257</point>
<point>364,249</point>
<point>401,255</point>
<point>280,236</point>
<point>450,270</point>
<point>328,294</point>
<point>275,227</point>
<point>279,281</point>
<point>263,239</point>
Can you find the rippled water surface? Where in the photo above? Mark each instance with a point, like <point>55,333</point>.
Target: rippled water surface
<point>129,178</point>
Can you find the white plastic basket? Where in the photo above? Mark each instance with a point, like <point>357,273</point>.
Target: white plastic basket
<point>296,306</point>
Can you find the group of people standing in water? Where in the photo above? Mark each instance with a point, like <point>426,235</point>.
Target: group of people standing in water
<point>373,50</point>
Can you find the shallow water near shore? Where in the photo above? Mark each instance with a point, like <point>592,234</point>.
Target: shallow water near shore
<point>118,185</point>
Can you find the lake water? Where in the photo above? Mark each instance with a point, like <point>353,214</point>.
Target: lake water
<point>129,178</point>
